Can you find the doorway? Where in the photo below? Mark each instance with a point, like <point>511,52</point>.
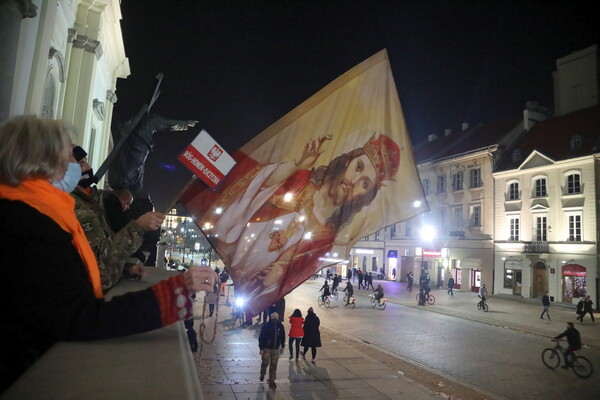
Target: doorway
<point>517,289</point>
<point>540,279</point>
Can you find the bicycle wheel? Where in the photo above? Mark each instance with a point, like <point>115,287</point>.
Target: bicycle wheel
<point>479,306</point>
<point>335,295</point>
<point>327,303</point>
<point>373,302</point>
<point>382,306</point>
<point>319,301</point>
<point>417,298</point>
<point>550,358</point>
<point>485,307</point>
<point>582,367</point>
<point>431,300</point>
<point>353,304</point>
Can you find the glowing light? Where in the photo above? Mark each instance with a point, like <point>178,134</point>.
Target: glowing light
<point>417,203</point>
<point>219,210</point>
<point>288,197</point>
<point>277,222</point>
<point>301,218</point>
<point>428,232</point>
<point>307,235</point>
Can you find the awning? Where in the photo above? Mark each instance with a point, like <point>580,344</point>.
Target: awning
<point>574,269</point>
<point>392,254</point>
<point>474,263</point>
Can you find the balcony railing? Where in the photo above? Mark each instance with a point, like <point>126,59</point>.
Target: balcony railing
<point>536,247</point>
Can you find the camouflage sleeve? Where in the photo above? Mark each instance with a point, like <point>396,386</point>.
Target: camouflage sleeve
<point>111,249</point>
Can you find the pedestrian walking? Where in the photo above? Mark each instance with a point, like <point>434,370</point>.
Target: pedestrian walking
<point>369,281</point>
<point>271,342</point>
<point>410,279</point>
<point>296,332</point>
<point>546,304</point>
<point>394,273</point>
<point>312,335</point>
<point>587,309</point>
<point>360,278</point>
<point>451,286</point>
<point>349,275</point>
<point>354,274</point>
<point>211,299</point>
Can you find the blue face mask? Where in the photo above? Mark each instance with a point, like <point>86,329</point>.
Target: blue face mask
<point>71,178</point>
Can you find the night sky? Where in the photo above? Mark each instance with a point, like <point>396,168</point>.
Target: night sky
<point>238,66</point>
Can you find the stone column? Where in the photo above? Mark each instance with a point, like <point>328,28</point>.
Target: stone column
<point>11,13</point>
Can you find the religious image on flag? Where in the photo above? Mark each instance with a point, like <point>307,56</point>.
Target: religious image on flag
<point>335,169</point>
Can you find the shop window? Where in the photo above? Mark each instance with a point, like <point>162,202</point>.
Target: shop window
<point>574,282</point>
<point>509,278</point>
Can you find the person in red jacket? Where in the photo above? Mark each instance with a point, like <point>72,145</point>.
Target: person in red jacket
<point>296,332</point>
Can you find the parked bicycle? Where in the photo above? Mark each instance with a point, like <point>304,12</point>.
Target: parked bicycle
<point>429,298</point>
<point>351,303</point>
<point>326,302</point>
<point>381,303</point>
<point>482,304</point>
<point>582,367</point>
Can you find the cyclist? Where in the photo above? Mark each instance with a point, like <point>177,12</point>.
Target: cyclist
<point>378,293</point>
<point>483,293</point>
<point>335,283</point>
<point>325,290</point>
<point>350,291</point>
<point>574,340</point>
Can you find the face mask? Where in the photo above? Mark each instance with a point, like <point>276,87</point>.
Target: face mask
<point>71,178</point>
<point>87,178</point>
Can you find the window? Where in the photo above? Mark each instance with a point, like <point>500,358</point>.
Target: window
<point>574,184</point>
<point>509,275</point>
<point>442,216</point>
<point>426,186</point>
<point>514,229</point>
<point>475,177</point>
<point>457,216</point>
<point>393,231</point>
<point>476,216</point>
<point>513,191</point>
<point>457,181</point>
<point>576,142</point>
<point>541,229</point>
<point>540,188</point>
<point>408,228</point>
<point>516,155</point>
<point>441,184</point>
<point>376,236</point>
<point>575,227</point>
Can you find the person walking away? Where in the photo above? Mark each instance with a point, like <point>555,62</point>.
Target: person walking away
<point>296,332</point>
<point>394,273</point>
<point>579,309</point>
<point>360,278</point>
<point>271,342</point>
<point>353,274</point>
<point>587,308</point>
<point>370,281</point>
<point>546,304</point>
<point>483,293</point>
<point>410,278</point>
<point>349,275</point>
<point>211,299</point>
<point>451,286</point>
<point>312,335</point>
<point>349,289</point>
<point>574,340</point>
<point>325,290</point>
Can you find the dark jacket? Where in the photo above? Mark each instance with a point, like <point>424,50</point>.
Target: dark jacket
<point>546,300</point>
<point>587,305</point>
<point>46,295</point>
<point>451,283</point>
<point>573,338</point>
<point>349,288</point>
<point>272,335</point>
<point>312,335</point>
<point>580,307</point>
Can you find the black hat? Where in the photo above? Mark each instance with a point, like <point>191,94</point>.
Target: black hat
<point>79,153</point>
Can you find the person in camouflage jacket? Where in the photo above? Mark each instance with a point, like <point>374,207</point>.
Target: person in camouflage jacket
<point>112,249</point>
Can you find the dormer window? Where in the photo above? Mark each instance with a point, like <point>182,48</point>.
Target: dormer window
<point>576,141</point>
<point>516,155</point>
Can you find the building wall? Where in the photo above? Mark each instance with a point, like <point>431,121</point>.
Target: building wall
<point>576,81</point>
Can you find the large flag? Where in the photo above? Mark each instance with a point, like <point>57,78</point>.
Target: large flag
<point>336,168</point>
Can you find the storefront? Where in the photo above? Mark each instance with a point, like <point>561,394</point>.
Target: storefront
<point>574,282</point>
<point>513,276</point>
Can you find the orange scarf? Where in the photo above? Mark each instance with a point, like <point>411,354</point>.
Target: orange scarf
<point>60,206</point>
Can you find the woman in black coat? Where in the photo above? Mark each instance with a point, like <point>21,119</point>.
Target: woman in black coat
<point>312,335</point>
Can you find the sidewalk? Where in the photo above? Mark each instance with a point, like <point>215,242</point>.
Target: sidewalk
<point>512,312</point>
<point>229,368</point>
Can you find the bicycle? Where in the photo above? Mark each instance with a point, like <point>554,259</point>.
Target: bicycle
<point>482,305</point>
<point>582,367</point>
<point>334,293</point>
<point>237,312</point>
<point>429,298</point>
<point>351,303</point>
<point>326,302</point>
<point>381,303</point>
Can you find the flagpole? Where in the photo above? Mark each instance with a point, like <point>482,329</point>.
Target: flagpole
<point>175,199</point>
